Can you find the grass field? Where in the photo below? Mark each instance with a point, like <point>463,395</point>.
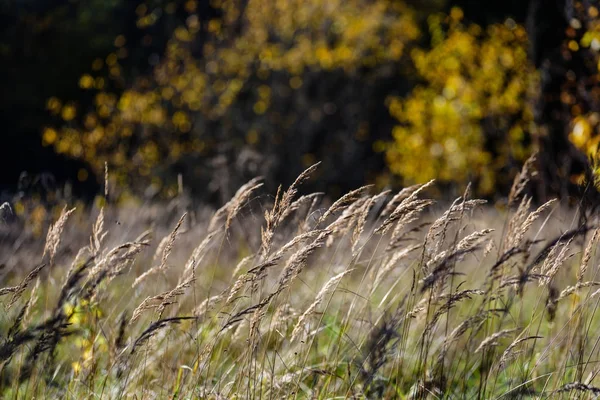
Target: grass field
<point>385,295</point>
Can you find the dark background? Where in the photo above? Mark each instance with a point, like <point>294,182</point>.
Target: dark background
<point>45,45</point>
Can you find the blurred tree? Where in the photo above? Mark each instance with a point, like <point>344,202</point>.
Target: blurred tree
<point>263,87</point>
<point>43,46</point>
<point>565,41</point>
<point>470,119</point>
<point>38,41</point>
<point>222,90</point>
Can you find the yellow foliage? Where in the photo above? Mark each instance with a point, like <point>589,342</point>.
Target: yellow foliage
<point>86,81</point>
<point>470,75</point>
<point>250,40</point>
<point>49,136</point>
<point>585,126</point>
<point>584,133</point>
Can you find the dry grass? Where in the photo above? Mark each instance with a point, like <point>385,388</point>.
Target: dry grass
<point>378,295</point>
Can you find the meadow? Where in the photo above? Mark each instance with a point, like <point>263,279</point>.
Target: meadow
<point>374,295</point>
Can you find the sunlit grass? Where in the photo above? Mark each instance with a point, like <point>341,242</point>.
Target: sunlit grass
<point>377,295</point>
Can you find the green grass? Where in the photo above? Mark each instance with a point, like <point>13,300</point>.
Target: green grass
<point>378,296</point>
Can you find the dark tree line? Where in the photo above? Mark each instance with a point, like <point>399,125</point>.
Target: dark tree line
<point>45,45</point>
